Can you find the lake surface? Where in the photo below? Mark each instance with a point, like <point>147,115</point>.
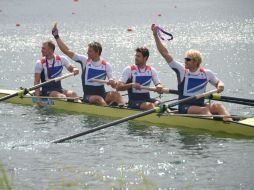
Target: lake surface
<point>126,156</point>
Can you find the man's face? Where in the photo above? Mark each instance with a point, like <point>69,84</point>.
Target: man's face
<point>45,50</point>
<point>139,58</point>
<point>91,53</point>
<point>190,63</point>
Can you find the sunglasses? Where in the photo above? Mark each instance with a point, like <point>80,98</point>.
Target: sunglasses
<point>187,59</point>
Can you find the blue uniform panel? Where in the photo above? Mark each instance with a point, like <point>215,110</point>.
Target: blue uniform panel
<point>144,80</point>
<point>98,74</point>
<point>196,85</point>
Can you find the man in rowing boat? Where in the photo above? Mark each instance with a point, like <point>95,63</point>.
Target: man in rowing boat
<point>50,66</point>
<point>93,67</point>
<point>135,77</point>
<point>192,80</point>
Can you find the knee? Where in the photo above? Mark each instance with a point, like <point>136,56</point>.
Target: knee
<point>216,107</point>
<point>205,111</point>
<point>147,106</point>
<point>116,95</point>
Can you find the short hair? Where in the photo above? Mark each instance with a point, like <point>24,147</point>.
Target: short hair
<point>50,44</point>
<point>96,46</point>
<point>144,51</point>
<point>195,55</point>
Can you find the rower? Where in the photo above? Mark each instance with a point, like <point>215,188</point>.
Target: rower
<point>136,76</point>
<point>192,80</point>
<point>50,66</point>
<point>93,67</point>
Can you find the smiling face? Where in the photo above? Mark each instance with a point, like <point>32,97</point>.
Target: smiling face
<point>47,49</point>
<point>92,54</point>
<point>141,57</point>
<point>94,51</point>
<point>193,60</point>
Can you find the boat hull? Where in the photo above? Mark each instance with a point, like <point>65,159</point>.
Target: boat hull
<point>244,127</point>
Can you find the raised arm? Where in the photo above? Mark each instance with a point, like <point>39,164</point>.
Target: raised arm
<point>161,48</point>
<point>63,47</point>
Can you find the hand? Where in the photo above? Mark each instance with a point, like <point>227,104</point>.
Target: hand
<point>220,86</point>
<point>154,29</point>
<point>55,31</point>
<point>136,86</point>
<point>75,71</point>
<point>112,83</point>
<point>159,88</point>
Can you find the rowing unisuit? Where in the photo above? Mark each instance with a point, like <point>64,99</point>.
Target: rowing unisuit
<point>49,69</point>
<point>93,70</point>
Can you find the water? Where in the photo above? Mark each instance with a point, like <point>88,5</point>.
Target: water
<point>127,156</point>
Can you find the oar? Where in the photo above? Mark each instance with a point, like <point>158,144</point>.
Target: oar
<point>215,96</point>
<point>164,90</point>
<point>23,92</point>
<point>236,100</point>
<point>100,81</point>
<point>54,98</point>
<point>209,116</point>
<point>156,109</point>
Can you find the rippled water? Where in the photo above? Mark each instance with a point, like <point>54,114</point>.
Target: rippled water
<point>126,156</point>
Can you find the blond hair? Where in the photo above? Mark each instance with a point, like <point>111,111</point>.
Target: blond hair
<point>195,55</point>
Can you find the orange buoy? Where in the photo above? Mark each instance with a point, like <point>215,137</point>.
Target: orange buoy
<point>129,29</point>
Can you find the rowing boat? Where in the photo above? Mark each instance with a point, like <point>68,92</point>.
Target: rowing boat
<point>244,126</point>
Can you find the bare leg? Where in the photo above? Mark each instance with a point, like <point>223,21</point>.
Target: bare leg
<point>147,106</point>
<point>114,97</point>
<point>70,93</point>
<point>218,108</point>
<point>199,110</point>
<point>57,94</point>
<point>97,100</point>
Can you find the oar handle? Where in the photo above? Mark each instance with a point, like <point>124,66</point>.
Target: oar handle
<point>50,81</point>
<point>63,77</point>
<point>206,94</point>
<point>203,95</point>
<point>164,90</point>
<point>100,81</point>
